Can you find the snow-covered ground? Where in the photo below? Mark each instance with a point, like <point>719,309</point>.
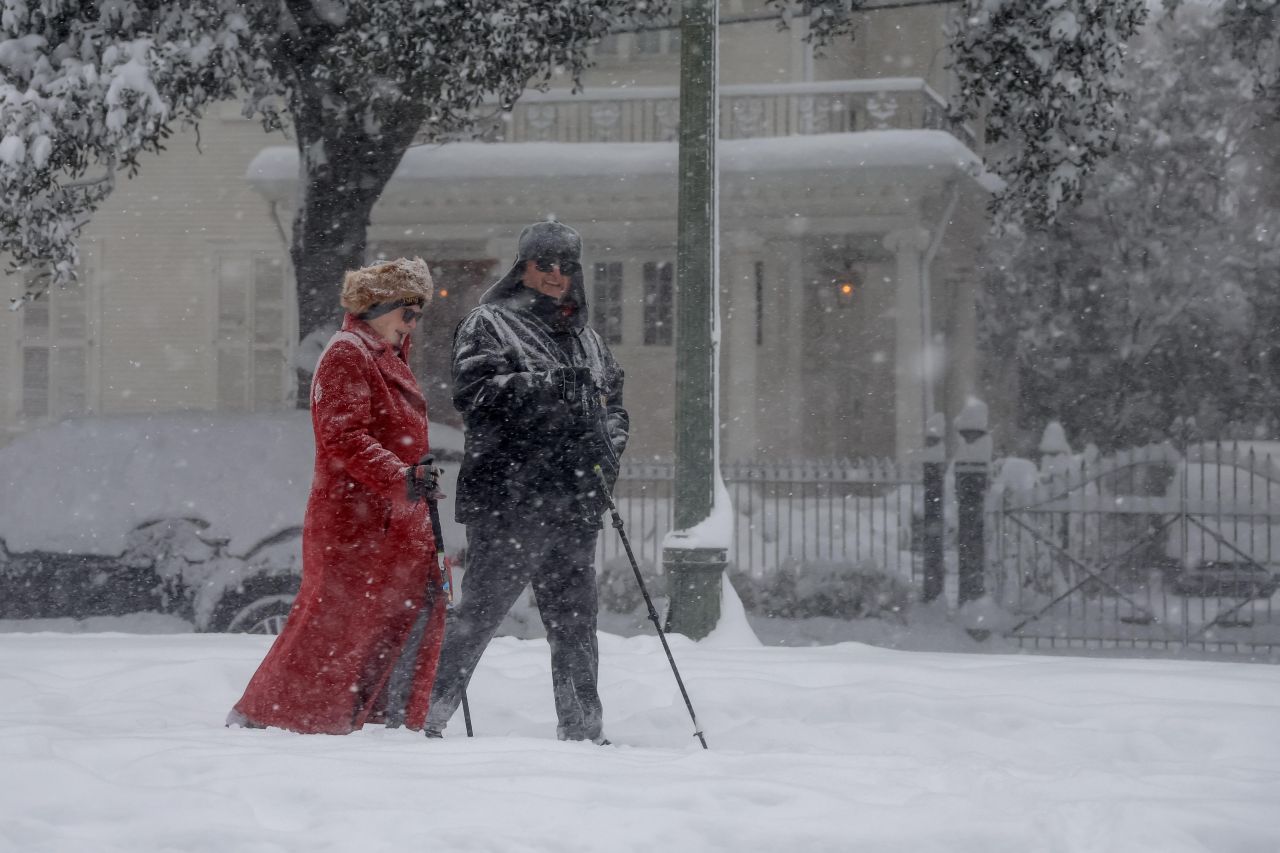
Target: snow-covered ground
<point>114,742</point>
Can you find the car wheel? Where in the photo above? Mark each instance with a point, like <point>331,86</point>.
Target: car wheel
<point>264,615</point>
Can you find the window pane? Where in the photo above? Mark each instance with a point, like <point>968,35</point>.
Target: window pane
<point>268,300</point>
<point>648,42</point>
<point>759,303</point>
<point>268,281</point>
<point>667,301</point>
<point>606,308</point>
<point>268,379</point>
<point>650,303</point>
<point>67,394</point>
<point>607,46</point>
<point>69,313</point>
<point>658,303</point>
<point>35,381</point>
<point>35,320</point>
<point>233,389</point>
<point>233,292</point>
<point>613,327</point>
<point>268,324</point>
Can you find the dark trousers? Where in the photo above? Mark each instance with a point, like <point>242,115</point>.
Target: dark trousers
<point>501,559</point>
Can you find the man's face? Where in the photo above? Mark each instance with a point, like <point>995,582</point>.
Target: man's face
<point>549,276</point>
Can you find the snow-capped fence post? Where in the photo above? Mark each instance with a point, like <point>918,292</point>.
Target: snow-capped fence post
<point>1056,464</point>
<point>935,466</point>
<point>973,460</point>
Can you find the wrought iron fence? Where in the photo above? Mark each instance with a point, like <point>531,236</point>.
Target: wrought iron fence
<point>1152,548</point>
<point>1157,548</point>
<point>790,514</point>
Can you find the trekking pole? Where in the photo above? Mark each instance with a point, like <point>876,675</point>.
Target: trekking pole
<point>653,613</point>
<point>446,576</point>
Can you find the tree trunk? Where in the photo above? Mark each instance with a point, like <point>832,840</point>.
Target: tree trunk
<point>343,167</point>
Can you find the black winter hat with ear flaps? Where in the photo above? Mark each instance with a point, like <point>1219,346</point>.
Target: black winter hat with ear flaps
<point>543,240</point>
<point>549,240</point>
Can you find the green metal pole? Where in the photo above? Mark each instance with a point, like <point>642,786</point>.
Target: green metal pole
<point>694,570</point>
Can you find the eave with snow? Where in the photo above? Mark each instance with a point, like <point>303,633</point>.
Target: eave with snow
<point>874,175</point>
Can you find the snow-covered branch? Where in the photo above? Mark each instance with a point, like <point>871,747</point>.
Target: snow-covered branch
<point>1155,290</point>
<point>1047,80</point>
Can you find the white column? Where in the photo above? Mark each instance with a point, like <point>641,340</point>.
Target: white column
<point>738,351</point>
<point>961,353</point>
<point>908,246</point>
<point>784,347</point>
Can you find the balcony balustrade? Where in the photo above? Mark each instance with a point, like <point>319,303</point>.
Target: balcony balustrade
<point>652,114</point>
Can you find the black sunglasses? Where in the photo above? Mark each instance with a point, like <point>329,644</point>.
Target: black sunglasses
<point>567,267</point>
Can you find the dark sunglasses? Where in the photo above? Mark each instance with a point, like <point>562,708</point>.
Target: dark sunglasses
<point>380,308</point>
<point>567,267</point>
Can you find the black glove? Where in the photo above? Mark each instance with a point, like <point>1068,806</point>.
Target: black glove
<point>575,385</point>
<point>424,480</point>
<point>595,448</point>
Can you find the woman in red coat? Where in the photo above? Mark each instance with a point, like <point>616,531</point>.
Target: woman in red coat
<point>354,649</point>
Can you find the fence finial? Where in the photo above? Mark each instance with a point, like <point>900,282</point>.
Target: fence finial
<point>1053,442</point>
<point>975,440</point>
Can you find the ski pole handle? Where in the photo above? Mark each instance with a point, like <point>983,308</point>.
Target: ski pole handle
<point>604,485</point>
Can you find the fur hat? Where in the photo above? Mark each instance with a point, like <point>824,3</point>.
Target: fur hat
<point>386,281</point>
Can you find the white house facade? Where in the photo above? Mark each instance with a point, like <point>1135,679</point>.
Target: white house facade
<point>850,214</point>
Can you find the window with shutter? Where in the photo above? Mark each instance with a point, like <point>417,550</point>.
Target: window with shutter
<point>35,382</point>
<point>659,303</point>
<point>55,353</point>
<point>252,333</point>
<point>606,301</point>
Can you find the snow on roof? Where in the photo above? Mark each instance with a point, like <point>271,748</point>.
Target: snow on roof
<point>80,486</point>
<point>921,149</point>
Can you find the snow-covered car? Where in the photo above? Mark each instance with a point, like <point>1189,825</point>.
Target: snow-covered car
<point>197,515</point>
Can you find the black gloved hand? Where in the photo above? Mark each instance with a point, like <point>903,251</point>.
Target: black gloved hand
<point>594,448</point>
<point>423,480</point>
<point>574,384</point>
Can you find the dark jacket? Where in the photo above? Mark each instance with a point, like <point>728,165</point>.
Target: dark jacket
<point>527,449</point>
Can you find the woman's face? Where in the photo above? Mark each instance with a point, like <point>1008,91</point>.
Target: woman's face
<point>394,326</point>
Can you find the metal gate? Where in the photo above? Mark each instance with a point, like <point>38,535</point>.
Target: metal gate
<point>1151,548</point>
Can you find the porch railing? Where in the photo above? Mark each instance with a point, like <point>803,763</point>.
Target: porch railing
<point>652,114</point>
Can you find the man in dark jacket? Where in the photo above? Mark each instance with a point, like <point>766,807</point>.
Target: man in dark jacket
<point>541,398</point>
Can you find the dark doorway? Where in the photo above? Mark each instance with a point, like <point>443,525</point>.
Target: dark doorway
<point>848,350</point>
<point>459,285</point>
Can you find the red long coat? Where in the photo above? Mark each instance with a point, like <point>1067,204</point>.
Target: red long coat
<point>368,555</point>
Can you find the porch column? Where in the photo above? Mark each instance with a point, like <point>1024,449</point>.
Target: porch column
<point>784,350</point>
<point>739,392</point>
<point>961,333</point>
<point>908,246</point>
